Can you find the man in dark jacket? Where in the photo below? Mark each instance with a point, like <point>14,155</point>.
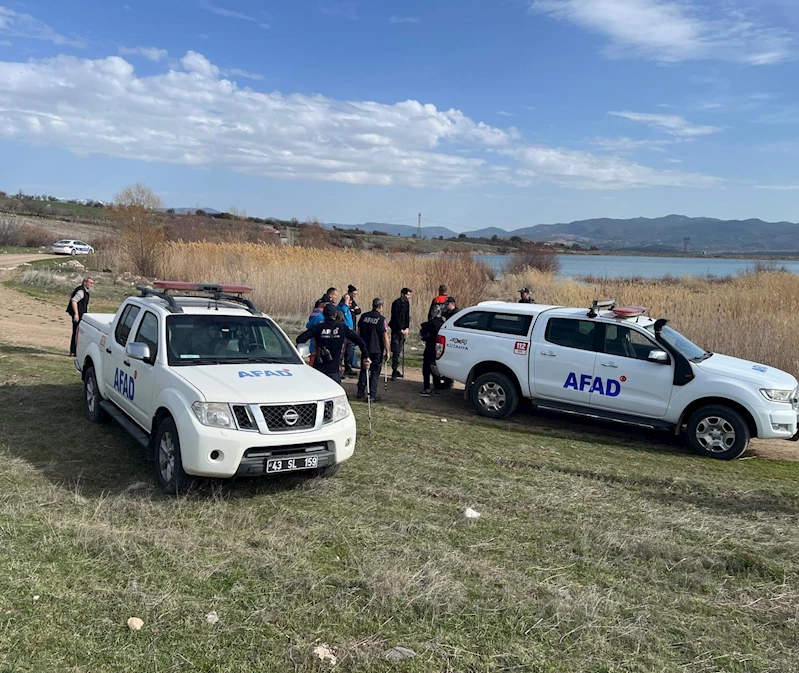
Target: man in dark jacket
<point>374,331</point>
<point>78,305</point>
<point>428,334</point>
<point>525,297</point>
<point>400,324</point>
<point>329,339</point>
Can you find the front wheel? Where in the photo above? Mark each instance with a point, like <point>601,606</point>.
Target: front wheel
<point>494,395</point>
<point>91,396</point>
<point>169,472</point>
<point>718,432</point>
<point>74,252</point>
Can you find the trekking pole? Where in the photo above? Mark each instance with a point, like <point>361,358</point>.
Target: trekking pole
<point>403,357</point>
<point>385,376</point>
<point>368,400</point>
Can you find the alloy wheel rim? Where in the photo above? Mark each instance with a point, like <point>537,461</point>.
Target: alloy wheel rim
<point>91,399</point>
<point>492,396</point>
<point>166,457</point>
<point>715,434</point>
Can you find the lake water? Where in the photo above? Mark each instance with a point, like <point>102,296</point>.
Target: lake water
<point>623,266</point>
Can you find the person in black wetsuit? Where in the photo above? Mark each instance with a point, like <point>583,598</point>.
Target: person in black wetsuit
<point>329,337</point>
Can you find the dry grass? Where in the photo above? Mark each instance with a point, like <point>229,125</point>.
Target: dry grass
<point>753,316</point>
<point>287,280</point>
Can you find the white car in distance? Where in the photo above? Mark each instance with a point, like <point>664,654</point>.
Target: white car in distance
<point>71,246</point>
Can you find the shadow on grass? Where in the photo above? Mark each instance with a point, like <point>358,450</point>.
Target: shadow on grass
<point>45,426</point>
<point>8,349</point>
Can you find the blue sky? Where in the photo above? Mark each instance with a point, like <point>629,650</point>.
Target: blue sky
<point>475,112</point>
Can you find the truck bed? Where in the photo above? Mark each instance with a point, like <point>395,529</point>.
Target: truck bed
<point>100,321</point>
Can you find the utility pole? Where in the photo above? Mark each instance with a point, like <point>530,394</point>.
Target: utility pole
<point>419,227</point>
<point>685,241</point>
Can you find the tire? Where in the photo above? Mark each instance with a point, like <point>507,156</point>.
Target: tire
<point>169,473</point>
<point>91,397</point>
<point>74,252</point>
<point>494,395</point>
<point>717,432</point>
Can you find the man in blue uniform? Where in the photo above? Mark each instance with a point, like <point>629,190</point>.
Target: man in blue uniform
<point>374,331</point>
<point>329,337</point>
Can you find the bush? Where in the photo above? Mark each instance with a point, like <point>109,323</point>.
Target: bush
<point>34,236</point>
<point>533,258</point>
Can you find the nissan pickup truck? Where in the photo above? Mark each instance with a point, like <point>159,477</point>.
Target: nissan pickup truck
<point>211,387</point>
<point>615,364</point>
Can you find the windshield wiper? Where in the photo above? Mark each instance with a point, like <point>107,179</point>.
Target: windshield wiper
<point>197,361</point>
<point>244,361</point>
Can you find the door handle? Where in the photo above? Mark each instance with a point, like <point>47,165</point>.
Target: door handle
<point>107,350</point>
<point>548,354</point>
<point>126,363</point>
<point>612,365</point>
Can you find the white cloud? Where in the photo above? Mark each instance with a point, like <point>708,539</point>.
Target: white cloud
<point>15,24</point>
<point>238,72</point>
<point>672,31</point>
<point>192,115</point>
<point>583,170</point>
<point>674,161</point>
<point>344,8</point>
<point>625,144</point>
<point>232,14</point>
<point>779,188</point>
<point>150,53</point>
<point>404,19</point>
<point>504,114</point>
<point>672,124</point>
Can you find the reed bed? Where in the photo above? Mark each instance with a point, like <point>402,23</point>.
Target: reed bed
<point>288,280</point>
<point>753,316</point>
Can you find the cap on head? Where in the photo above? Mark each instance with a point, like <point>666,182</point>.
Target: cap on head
<point>377,302</point>
<point>523,290</point>
<point>351,288</point>
<point>319,303</point>
<point>406,290</point>
<point>330,311</point>
<point>442,289</point>
<point>450,300</point>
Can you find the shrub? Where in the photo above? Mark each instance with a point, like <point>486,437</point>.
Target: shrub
<point>534,258</point>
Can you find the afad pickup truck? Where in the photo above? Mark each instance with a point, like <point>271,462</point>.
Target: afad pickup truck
<point>211,387</point>
<point>615,364</point>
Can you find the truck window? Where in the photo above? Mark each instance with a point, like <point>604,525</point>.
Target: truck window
<point>148,334</point>
<point>626,342</point>
<point>125,324</point>
<point>502,323</point>
<point>571,333</point>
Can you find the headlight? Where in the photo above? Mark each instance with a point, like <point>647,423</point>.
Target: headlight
<point>341,408</point>
<point>775,395</point>
<point>213,414</point>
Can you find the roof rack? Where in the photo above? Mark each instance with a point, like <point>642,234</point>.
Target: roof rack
<point>597,304</point>
<point>171,304</point>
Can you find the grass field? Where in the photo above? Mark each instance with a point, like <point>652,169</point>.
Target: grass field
<point>590,555</point>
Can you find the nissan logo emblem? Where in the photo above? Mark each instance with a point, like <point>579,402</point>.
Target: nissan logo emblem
<point>290,417</point>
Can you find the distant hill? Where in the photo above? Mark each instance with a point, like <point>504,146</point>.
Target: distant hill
<point>663,234</point>
<point>191,211</point>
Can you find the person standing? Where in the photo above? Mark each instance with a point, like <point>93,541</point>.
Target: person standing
<point>439,300</point>
<point>77,306</point>
<point>525,297</point>
<point>352,291</point>
<point>314,319</point>
<point>349,347</point>
<point>331,296</point>
<point>428,334</point>
<point>450,308</point>
<point>374,331</point>
<point>329,337</point>
<point>400,324</point>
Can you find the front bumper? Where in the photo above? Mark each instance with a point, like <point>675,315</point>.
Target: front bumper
<point>779,423</point>
<point>214,452</point>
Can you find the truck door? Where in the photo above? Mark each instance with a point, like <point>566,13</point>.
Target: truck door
<point>563,360</point>
<point>144,371</point>
<point>119,382</point>
<point>624,378</point>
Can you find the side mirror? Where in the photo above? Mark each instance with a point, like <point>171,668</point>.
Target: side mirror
<point>659,356</point>
<point>137,350</point>
<point>304,350</point>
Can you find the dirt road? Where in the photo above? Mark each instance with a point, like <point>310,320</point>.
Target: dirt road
<point>33,322</point>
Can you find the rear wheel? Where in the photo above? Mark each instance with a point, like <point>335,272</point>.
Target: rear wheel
<point>169,472</point>
<point>91,396</point>
<point>494,395</point>
<point>74,252</point>
<point>718,432</point>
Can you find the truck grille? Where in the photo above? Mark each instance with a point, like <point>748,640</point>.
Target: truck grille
<point>243,417</point>
<point>282,417</point>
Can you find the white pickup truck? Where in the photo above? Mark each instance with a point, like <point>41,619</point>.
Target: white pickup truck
<point>211,387</point>
<point>616,364</point>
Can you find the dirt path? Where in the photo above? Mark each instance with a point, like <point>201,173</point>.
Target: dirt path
<point>35,323</point>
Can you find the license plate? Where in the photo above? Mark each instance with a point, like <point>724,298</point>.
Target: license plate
<point>290,464</point>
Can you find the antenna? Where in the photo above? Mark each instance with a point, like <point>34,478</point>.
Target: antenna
<point>685,241</point>
<point>419,227</point>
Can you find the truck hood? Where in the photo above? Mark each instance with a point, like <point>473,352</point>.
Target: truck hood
<point>259,383</point>
<point>751,372</point>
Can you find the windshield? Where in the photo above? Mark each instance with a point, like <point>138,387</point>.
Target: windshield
<point>225,339</point>
<point>681,344</point>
